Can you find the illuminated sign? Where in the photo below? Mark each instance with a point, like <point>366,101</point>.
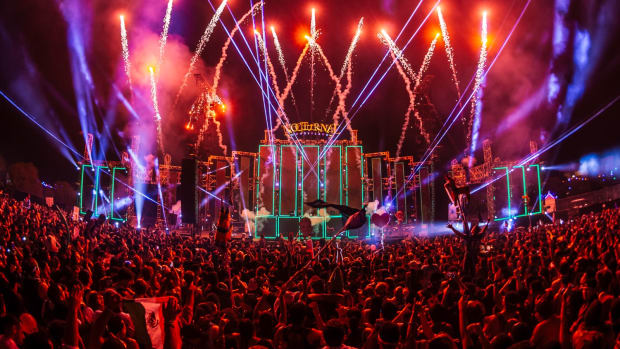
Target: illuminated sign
<point>310,127</point>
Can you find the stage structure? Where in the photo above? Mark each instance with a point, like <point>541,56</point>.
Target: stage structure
<point>268,188</point>
<point>514,191</point>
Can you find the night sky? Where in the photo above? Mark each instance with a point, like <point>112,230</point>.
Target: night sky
<point>46,45</point>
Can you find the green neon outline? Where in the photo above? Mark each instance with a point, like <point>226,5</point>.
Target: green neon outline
<point>508,188</point>
<point>339,172</point>
<point>346,154</point>
<point>373,179</point>
<point>539,190</point>
<point>82,188</point>
<point>404,190</point>
<point>112,194</point>
<point>280,185</point>
<point>97,178</point>
<point>318,178</point>
<point>524,191</point>
<point>273,185</point>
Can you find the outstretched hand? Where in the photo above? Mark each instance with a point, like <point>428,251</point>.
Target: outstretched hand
<point>171,310</point>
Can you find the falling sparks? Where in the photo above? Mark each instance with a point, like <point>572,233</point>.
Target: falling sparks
<point>449,51</point>
<point>412,92</point>
<point>218,68</point>
<point>276,43</point>
<point>287,88</point>
<point>201,45</point>
<point>346,65</point>
<point>478,81</point>
<point>312,55</point>
<point>164,34</point>
<point>125,46</point>
<point>272,71</point>
<point>385,38</point>
<point>156,109</point>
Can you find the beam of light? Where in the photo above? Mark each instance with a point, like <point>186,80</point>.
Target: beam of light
<point>71,149</point>
<point>125,46</point>
<point>269,91</point>
<point>352,113</point>
<point>49,133</point>
<point>451,119</point>
<point>449,51</point>
<point>201,45</point>
<point>160,139</point>
<point>282,61</point>
<point>387,53</point>
<point>478,82</point>
<point>548,146</point>
<point>346,65</point>
<point>218,68</point>
<point>397,53</point>
<point>272,71</point>
<point>287,88</point>
<point>477,121</point>
<point>161,195</point>
<point>164,35</point>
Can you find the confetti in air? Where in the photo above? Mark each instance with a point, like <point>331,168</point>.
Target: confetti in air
<point>201,45</point>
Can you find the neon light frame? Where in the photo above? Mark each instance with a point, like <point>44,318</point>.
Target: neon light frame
<point>280,183</point>
<point>524,191</point>
<point>346,155</point>
<point>112,194</point>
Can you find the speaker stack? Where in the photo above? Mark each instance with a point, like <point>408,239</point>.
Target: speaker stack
<point>189,195</point>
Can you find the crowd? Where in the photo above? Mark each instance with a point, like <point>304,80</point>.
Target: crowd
<point>65,286</point>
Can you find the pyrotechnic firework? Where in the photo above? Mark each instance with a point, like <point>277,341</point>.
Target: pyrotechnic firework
<point>276,43</point>
<point>272,70</point>
<point>164,35</point>
<point>449,51</point>
<point>287,89</point>
<point>125,46</point>
<point>218,68</point>
<point>156,109</point>
<point>201,45</point>
<point>385,38</point>
<point>479,71</point>
<point>413,94</point>
<point>346,65</point>
<point>312,55</point>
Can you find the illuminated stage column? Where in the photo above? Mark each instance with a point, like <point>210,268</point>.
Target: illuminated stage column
<point>243,165</point>
<point>377,179</point>
<point>288,181</point>
<point>401,190</point>
<point>425,195</point>
<point>310,184</point>
<point>332,192</point>
<point>354,186</point>
<point>266,221</point>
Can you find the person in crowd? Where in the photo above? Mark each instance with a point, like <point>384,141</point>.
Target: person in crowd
<point>551,286</point>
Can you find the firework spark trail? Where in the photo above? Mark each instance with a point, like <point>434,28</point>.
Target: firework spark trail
<point>201,45</point>
<point>164,35</point>
<point>411,105</point>
<point>312,55</point>
<point>220,138</point>
<point>272,70</point>
<point>125,46</point>
<point>346,65</point>
<point>276,43</point>
<point>287,89</point>
<point>218,68</point>
<point>156,110</point>
<point>385,38</point>
<point>481,64</point>
<point>449,50</point>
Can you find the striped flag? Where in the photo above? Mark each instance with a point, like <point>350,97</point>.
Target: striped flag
<point>147,316</point>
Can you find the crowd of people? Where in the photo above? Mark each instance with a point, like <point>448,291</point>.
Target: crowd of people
<point>65,286</point>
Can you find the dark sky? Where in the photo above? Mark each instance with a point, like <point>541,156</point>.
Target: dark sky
<point>40,72</point>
